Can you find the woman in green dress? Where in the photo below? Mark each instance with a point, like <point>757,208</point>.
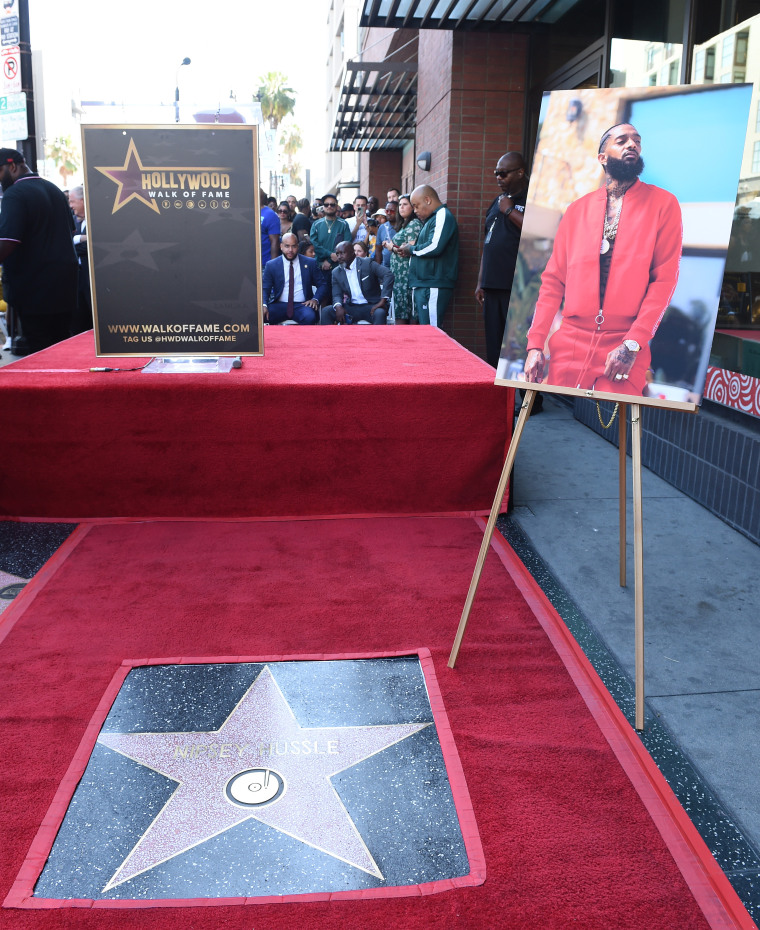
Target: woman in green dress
<point>403,307</point>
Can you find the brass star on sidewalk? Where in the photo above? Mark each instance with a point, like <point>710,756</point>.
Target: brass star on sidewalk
<point>260,764</point>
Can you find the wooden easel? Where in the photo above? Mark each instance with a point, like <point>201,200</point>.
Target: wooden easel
<point>638,535</point>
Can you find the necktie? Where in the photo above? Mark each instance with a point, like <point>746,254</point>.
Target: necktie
<point>291,291</point>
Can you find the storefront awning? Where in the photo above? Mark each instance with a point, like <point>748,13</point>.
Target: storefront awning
<point>377,107</point>
<point>462,14</point>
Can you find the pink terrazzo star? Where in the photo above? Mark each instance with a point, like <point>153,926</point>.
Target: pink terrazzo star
<point>5,581</point>
<point>259,764</point>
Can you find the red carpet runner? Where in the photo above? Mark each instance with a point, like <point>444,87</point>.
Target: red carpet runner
<point>566,837</point>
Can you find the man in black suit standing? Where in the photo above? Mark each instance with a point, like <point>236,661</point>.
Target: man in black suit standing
<point>294,286</point>
<point>361,290</point>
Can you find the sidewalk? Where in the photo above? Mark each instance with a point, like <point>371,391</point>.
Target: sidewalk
<point>701,626</point>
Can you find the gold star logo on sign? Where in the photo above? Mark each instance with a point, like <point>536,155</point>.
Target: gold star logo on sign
<point>128,179</point>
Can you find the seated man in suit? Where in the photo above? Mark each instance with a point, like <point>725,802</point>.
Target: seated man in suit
<point>361,290</point>
<point>294,286</point>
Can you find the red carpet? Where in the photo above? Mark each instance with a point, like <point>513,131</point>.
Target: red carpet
<point>332,421</point>
<point>567,839</point>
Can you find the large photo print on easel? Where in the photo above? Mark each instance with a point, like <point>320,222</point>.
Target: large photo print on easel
<point>624,240</point>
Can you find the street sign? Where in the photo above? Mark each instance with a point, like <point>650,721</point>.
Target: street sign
<point>10,59</point>
<point>13,124</point>
<point>9,31</point>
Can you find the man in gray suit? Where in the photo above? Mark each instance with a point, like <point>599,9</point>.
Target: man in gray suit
<point>361,290</point>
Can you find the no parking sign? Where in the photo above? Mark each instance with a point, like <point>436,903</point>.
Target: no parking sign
<point>11,62</point>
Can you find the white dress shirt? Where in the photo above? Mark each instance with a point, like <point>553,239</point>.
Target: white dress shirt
<point>298,295</point>
<point>82,232</point>
<point>352,274</point>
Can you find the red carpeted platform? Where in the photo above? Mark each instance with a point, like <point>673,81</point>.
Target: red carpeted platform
<point>578,828</point>
<point>333,420</point>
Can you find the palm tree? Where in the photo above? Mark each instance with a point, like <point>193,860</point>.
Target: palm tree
<point>66,155</point>
<point>274,97</point>
<point>291,142</point>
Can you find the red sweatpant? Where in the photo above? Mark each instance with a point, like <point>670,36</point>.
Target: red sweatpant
<point>577,358</point>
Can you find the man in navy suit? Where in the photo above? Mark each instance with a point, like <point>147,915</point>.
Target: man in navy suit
<point>361,290</point>
<point>294,286</point>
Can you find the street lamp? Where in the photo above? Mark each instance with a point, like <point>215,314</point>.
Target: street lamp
<point>185,61</point>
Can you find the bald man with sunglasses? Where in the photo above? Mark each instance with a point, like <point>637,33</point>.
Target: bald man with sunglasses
<point>504,219</point>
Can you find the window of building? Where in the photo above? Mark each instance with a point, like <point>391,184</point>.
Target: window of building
<point>727,52</point>
<point>742,41</point>
<point>709,64</point>
<point>738,62</point>
<point>699,66</point>
<point>756,158</point>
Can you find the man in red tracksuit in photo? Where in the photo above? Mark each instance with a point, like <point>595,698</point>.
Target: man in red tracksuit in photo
<point>615,264</point>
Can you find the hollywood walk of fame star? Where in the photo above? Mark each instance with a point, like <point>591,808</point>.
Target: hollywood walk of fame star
<point>260,764</point>
<point>132,249</point>
<point>246,299</point>
<point>129,178</point>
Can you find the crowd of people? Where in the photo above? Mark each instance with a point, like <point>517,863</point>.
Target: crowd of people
<point>322,263</point>
<point>360,262</point>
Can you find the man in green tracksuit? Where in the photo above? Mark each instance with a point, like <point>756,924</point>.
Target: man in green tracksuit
<point>434,256</point>
<point>325,234</point>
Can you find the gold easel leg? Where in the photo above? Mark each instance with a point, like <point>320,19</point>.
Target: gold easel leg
<point>638,562</point>
<point>622,489</point>
<point>527,404</point>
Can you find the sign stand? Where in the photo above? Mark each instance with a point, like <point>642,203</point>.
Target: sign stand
<point>622,441</point>
<point>190,365</point>
<point>638,537</point>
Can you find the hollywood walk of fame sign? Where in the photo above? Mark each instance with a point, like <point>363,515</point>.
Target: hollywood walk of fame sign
<point>174,239</point>
<point>246,780</point>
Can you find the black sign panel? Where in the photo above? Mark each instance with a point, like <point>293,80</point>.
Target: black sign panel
<point>174,235</point>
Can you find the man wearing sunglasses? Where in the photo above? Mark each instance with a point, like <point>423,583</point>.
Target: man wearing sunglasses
<point>503,226</point>
<point>327,232</point>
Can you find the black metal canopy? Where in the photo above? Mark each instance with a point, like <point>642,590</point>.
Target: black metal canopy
<point>487,15</point>
<point>377,107</point>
